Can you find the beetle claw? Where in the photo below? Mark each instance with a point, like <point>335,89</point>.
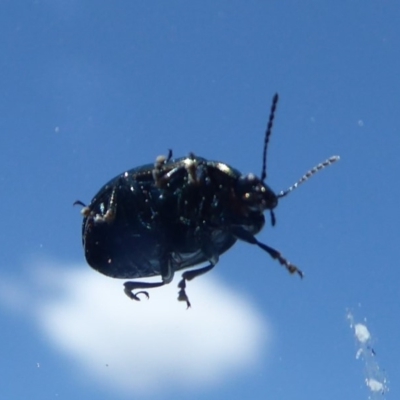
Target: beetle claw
<point>141,292</point>
<point>134,296</point>
<point>294,270</point>
<point>130,286</point>
<point>79,203</point>
<point>182,296</point>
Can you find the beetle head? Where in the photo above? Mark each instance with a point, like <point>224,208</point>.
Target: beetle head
<point>255,194</point>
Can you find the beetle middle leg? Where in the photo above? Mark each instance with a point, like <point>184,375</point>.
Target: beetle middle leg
<point>188,276</point>
<point>246,236</point>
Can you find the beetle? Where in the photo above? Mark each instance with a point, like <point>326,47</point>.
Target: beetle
<point>174,214</point>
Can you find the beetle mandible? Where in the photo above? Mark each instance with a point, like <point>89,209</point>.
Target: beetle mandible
<point>160,218</point>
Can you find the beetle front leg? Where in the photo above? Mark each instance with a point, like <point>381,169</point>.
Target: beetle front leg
<point>246,236</point>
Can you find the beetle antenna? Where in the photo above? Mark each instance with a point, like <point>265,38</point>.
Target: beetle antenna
<point>308,175</point>
<point>267,135</point>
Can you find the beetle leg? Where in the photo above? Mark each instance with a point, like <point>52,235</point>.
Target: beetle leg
<point>79,203</point>
<point>129,286</point>
<point>167,274</point>
<point>246,236</point>
<point>158,169</point>
<point>85,210</point>
<point>167,271</point>
<point>169,156</point>
<point>188,276</point>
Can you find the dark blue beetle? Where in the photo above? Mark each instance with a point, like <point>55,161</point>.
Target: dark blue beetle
<point>174,214</point>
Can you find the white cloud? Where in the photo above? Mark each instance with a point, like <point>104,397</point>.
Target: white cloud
<point>149,346</point>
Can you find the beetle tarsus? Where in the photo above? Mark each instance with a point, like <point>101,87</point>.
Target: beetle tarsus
<point>134,296</point>
<point>182,296</point>
<point>246,236</point>
<point>130,286</point>
<point>188,276</point>
<point>79,203</point>
<point>294,270</point>
<point>275,254</point>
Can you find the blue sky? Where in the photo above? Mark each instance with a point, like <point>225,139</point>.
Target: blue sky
<point>89,89</point>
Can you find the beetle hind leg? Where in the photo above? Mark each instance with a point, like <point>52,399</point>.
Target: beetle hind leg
<point>130,286</point>
<point>167,274</point>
